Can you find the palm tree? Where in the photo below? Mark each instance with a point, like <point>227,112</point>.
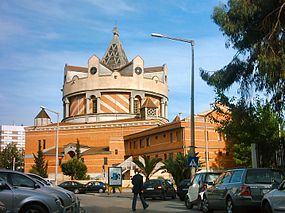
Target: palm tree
<point>148,167</point>
<point>178,168</point>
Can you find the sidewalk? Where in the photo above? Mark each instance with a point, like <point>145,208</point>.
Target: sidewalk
<point>126,193</point>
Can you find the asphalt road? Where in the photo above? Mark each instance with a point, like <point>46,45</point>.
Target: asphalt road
<point>121,203</point>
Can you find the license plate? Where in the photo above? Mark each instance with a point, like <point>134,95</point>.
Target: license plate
<point>185,189</point>
<point>150,188</point>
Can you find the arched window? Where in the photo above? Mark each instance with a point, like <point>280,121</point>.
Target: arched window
<point>94,104</point>
<point>71,154</point>
<point>137,105</point>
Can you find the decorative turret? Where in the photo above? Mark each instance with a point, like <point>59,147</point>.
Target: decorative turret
<point>42,119</point>
<point>149,110</point>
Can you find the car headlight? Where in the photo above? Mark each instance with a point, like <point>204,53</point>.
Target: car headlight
<point>58,202</point>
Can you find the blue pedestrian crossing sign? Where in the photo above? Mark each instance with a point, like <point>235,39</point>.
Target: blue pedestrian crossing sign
<point>192,161</point>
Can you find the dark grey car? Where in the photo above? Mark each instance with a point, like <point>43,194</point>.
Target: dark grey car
<point>158,188</point>
<point>239,190</point>
<point>26,200</point>
<point>68,201</point>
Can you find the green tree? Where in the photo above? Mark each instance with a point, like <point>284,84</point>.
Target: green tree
<point>74,168</point>
<point>77,151</point>
<point>178,167</point>
<point>148,167</point>
<point>244,125</point>
<point>41,166</point>
<point>10,155</point>
<point>256,30</point>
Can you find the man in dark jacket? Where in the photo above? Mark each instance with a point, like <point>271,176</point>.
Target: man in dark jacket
<point>137,182</point>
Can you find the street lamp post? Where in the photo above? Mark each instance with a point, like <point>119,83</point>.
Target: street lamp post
<point>56,145</point>
<point>192,124</point>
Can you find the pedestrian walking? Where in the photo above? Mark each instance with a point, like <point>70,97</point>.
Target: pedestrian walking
<point>137,182</point>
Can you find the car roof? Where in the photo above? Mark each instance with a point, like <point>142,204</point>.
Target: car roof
<point>209,172</point>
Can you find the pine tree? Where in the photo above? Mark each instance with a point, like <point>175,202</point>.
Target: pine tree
<point>255,29</point>
<point>40,167</point>
<point>77,151</point>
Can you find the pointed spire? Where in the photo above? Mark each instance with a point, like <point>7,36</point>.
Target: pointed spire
<point>115,56</point>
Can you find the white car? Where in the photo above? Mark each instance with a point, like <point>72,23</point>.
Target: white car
<point>197,187</point>
<point>274,201</point>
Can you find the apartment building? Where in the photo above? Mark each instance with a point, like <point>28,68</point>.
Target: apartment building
<point>12,134</point>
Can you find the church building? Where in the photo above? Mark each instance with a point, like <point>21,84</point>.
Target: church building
<point>107,105</point>
<point>104,101</point>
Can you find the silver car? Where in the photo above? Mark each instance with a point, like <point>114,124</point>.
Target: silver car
<point>238,190</point>
<point>69,201</point>
<point>73,206</point>
<point>274,201</point>
<point>25,200</point>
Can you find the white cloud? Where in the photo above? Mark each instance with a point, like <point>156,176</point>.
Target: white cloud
<point>9,28</point>
<point>113,7</point>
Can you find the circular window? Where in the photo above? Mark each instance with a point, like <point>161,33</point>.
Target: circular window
<point>138,70</point>
<point>93,70</point>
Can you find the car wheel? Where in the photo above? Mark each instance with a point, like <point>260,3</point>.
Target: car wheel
<point>199,204</point>
<point>266,208</point>
<point>205,206</point>
<point>76,191</point>
<point>188,203</point>
<point>33,208</point>
<point>230,206</point>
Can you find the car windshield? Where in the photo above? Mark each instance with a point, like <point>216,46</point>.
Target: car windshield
<point>266,176</point>
<point>152,183</point>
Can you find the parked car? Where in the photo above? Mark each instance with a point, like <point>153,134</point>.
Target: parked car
<point>73,186</point>
<point>201,181</point>
<point>274,201</point>
<point>25,199</point>
<point>69,202</point>
<point>40,179</point>
<point>45,182</point>
<point>238,190</point>
<point>95,186</point>
<point>182,188</point>
<point>159,188</point>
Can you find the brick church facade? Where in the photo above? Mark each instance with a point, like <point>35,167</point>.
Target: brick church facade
<point>111,105</point>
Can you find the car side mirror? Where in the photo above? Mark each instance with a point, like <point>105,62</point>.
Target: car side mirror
<point>37,186</point>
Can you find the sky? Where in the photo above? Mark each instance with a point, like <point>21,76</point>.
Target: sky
<point>38,37</point>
